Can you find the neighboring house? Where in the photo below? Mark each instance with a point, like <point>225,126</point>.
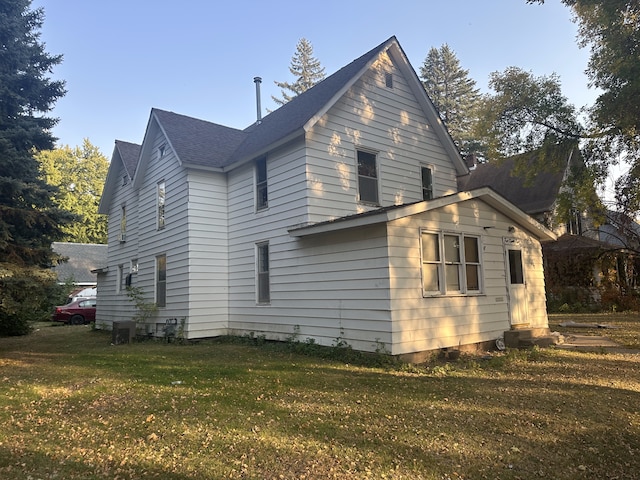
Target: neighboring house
<point>587,257</point>
<point>337,216</point>
<point>80,261</point>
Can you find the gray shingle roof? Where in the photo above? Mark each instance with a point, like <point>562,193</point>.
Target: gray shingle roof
<point>83,257</point>
<point>129,153</point>
<point>198,142</point>
<point>532,197</point>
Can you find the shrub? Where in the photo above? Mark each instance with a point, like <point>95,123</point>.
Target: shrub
<point>26,294</point>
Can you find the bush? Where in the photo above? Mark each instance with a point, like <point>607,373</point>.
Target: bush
<point>26,294</point>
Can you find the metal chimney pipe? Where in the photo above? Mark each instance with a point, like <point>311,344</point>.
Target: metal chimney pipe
<point>258,81</point>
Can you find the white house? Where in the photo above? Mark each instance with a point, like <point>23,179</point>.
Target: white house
<point>336,216</point>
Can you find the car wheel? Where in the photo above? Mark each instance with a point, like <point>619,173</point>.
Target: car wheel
<point>77,320</point>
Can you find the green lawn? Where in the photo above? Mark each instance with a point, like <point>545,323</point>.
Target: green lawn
<point>72,406</point>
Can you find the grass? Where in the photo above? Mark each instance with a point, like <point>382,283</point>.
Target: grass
<point>72,406</point>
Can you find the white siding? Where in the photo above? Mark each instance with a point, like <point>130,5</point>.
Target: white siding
<point>208,255</point>
<point>429,323</point>
<point>113,305</point>
<point>386,120</point>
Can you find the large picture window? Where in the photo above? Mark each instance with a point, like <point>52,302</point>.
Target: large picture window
<point>262,272</point>
<point>161,280</point>
<point>451,264</point>
<point>367,177</point>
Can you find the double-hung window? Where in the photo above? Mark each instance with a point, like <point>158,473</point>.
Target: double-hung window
<point>262,194</point>
<point>451,264</point>
<point>161,280</point>
<point>160,201</point>
<point>427,183</point>
<point>262,273</point>
<point>123,223</point>
<point>367,177</point>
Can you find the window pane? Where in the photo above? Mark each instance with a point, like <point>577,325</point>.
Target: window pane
<point>367,164</point>
<point>161,281</point>
<point>264,295</point>
<point>430,280</point>
<point>430,250</point>
<point>452,275</point>
<point>161,202</point>
<point>451,248</point>
<point>471,253</point>
<point>368,188</point>
<point>427,184</point>
<point>262,195</point>
<point>473,277</point>
<point>515,267</point>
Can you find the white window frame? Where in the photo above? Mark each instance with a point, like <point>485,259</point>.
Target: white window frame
<point>445,263</point>
<point>363,177</point>
<point>430,188</point>
<point>261,184</point>
<point>263,276</point>
<point>159,281</point>
<point>161,201</point>
<point>123,223</point>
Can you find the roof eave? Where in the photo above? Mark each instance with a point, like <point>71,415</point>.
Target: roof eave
<point>485,194</point>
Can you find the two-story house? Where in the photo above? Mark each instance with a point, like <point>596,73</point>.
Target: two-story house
<point>336,216</point>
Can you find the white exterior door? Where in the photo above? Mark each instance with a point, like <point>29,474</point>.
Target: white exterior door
<point>516,283</point>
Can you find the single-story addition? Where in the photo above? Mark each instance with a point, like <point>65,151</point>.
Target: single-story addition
<point>336,216</point>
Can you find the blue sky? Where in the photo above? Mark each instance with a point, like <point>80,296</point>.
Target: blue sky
<point>199,57</point>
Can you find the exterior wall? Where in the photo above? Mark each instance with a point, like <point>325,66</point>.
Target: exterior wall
<point>386,120</point>
<point>429,323</point>
<point>144,241</point>
<point>113,305</point>
<point>208,255</point>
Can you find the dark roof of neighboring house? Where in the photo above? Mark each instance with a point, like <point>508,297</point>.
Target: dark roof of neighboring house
<point>535,196</point>
<point>129,153</point>
<point>82,258</point>
<point>579,243</point>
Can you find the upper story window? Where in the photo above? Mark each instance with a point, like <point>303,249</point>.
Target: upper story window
<point>574,223</point>
<point>125,179</point>
<point>123,223</point>
<point>450,264</point>
<point>160,201</point>
<point>388,80</point>
<point>162,149</point>
<point>427,183</point>
<point>367,177</point>
<point>262,195</point>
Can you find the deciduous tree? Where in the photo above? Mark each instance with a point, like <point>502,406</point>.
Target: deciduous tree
<point>78,174</point>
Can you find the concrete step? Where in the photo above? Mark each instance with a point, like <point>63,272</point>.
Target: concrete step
<point>528,337</point>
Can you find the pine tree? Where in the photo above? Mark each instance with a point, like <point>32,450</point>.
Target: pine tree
<point>29,221</point>
<point>453,93</point>
<point>305,68</point>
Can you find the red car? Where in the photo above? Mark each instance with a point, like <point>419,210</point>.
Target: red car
<point>76,313</point>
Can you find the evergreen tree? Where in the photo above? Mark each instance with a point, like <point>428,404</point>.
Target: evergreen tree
<point>453,93</point>
<point>79,174</point>
<point>305,68</point>
<point>29,221</point>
